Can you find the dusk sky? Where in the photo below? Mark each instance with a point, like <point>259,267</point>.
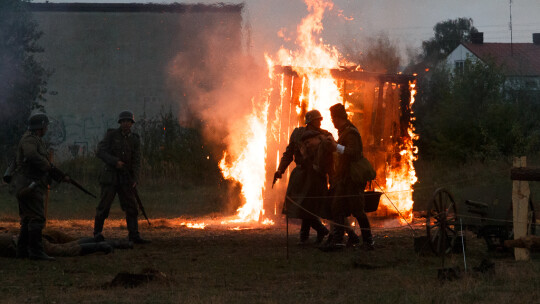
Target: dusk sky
<point>407,22</point>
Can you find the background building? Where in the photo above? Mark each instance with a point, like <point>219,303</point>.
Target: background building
<point>143,57</point>
<point>520,62</point>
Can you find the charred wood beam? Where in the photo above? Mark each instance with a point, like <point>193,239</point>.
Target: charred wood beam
<point>530,241</point>
<point>405,106</point>
<point>525,174</point>
<point>350,74</point>
<point>377,125</point>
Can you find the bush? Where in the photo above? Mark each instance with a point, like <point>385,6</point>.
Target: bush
<point>174,152</point>
<point>471,116</point>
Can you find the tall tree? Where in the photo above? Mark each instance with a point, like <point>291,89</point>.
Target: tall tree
<point>448,35</point>
<point>22,78</point>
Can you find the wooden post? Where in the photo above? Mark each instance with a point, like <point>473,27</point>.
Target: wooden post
<point>520,203</point>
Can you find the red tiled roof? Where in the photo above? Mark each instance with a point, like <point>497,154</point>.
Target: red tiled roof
<point>518,59</point>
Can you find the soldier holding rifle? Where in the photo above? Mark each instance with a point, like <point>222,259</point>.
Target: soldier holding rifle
<point>120,151</point>
<point>33,173</point>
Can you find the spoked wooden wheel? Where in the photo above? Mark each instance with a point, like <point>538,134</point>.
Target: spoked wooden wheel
<point>442,222</point>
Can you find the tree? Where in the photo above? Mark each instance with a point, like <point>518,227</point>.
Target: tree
<point>468,116</point>
<point>448,35</point>
<point>23,79</point>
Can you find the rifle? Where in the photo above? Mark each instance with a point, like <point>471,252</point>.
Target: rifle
<point>58,175</point>
<point>141,205</point>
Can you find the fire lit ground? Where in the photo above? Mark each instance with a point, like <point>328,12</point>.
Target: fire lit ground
<point>246,258</point>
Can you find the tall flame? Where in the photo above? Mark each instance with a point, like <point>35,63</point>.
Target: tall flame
<point>399,179</point>
<point>248,165</point>
<point>313,59</point>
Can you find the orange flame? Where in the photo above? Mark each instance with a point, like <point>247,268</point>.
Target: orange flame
<point>246,156</point>
<point>314,59</point>
<point>248,165</point>
<point>399,181</point>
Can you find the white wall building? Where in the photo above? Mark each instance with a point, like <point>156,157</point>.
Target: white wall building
<point>520,61</point>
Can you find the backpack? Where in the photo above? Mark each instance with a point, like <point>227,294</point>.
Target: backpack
<point>362,171</point>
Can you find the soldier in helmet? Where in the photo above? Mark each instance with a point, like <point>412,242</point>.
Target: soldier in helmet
<point>121,153</point>
<point>29,185</point>
<point>305,183</point>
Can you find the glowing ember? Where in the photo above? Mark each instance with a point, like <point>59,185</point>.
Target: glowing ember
<point>193,225</point>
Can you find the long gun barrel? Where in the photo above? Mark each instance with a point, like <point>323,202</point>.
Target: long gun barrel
<point>57,174</point>
<point>76,184</point>
<point>141,205</point>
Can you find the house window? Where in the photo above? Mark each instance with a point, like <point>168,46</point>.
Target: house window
<point>459,65</point>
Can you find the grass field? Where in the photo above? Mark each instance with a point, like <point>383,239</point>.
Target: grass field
<point>221,265</point>
<point>217,265</point>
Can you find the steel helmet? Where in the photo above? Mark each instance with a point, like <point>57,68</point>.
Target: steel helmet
<point>38,121</point>
<point>126,115</point>
<point>312,115</point>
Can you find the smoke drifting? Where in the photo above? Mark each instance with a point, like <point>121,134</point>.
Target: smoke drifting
<point>216,81</point>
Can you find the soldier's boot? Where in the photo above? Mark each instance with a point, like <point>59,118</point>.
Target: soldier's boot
<point>353,238</point>
<point>35,244</point>
<point>304,232</point>
<point>367,240</point>
<point>367,237</point>
<point>98,228</point>
<point>22,243</point>
<point>334,241</point>
<point>133,228</point>
<point>322,231</point>
<point>88,248</point>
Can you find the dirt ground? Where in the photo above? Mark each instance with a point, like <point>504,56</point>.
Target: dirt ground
<point>239,264</point>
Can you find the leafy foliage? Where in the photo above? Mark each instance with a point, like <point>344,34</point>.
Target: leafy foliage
<point>448,35</point>
<point>469,116</point>
<point>170,150</point>
<point>22,78</point>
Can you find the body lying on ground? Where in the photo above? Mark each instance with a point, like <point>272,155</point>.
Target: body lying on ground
<point>59,244</point>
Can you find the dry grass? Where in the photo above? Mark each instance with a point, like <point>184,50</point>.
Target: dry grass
<point>218,265</point>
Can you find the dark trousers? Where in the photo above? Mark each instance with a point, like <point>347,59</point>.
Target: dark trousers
<point>349,199</point>
<point>32,210</point>
<point>128,203</point>
<point>32,214</point>
<point>314,223</point>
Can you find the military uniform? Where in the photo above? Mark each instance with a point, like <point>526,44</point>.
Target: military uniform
<point>59,244</point>
<point>348,195</point>
<point>119,145</point>
<point>29,185</point>
<point>307,187</point>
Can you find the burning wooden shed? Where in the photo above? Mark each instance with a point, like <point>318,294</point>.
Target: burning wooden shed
<point>379,105</point>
